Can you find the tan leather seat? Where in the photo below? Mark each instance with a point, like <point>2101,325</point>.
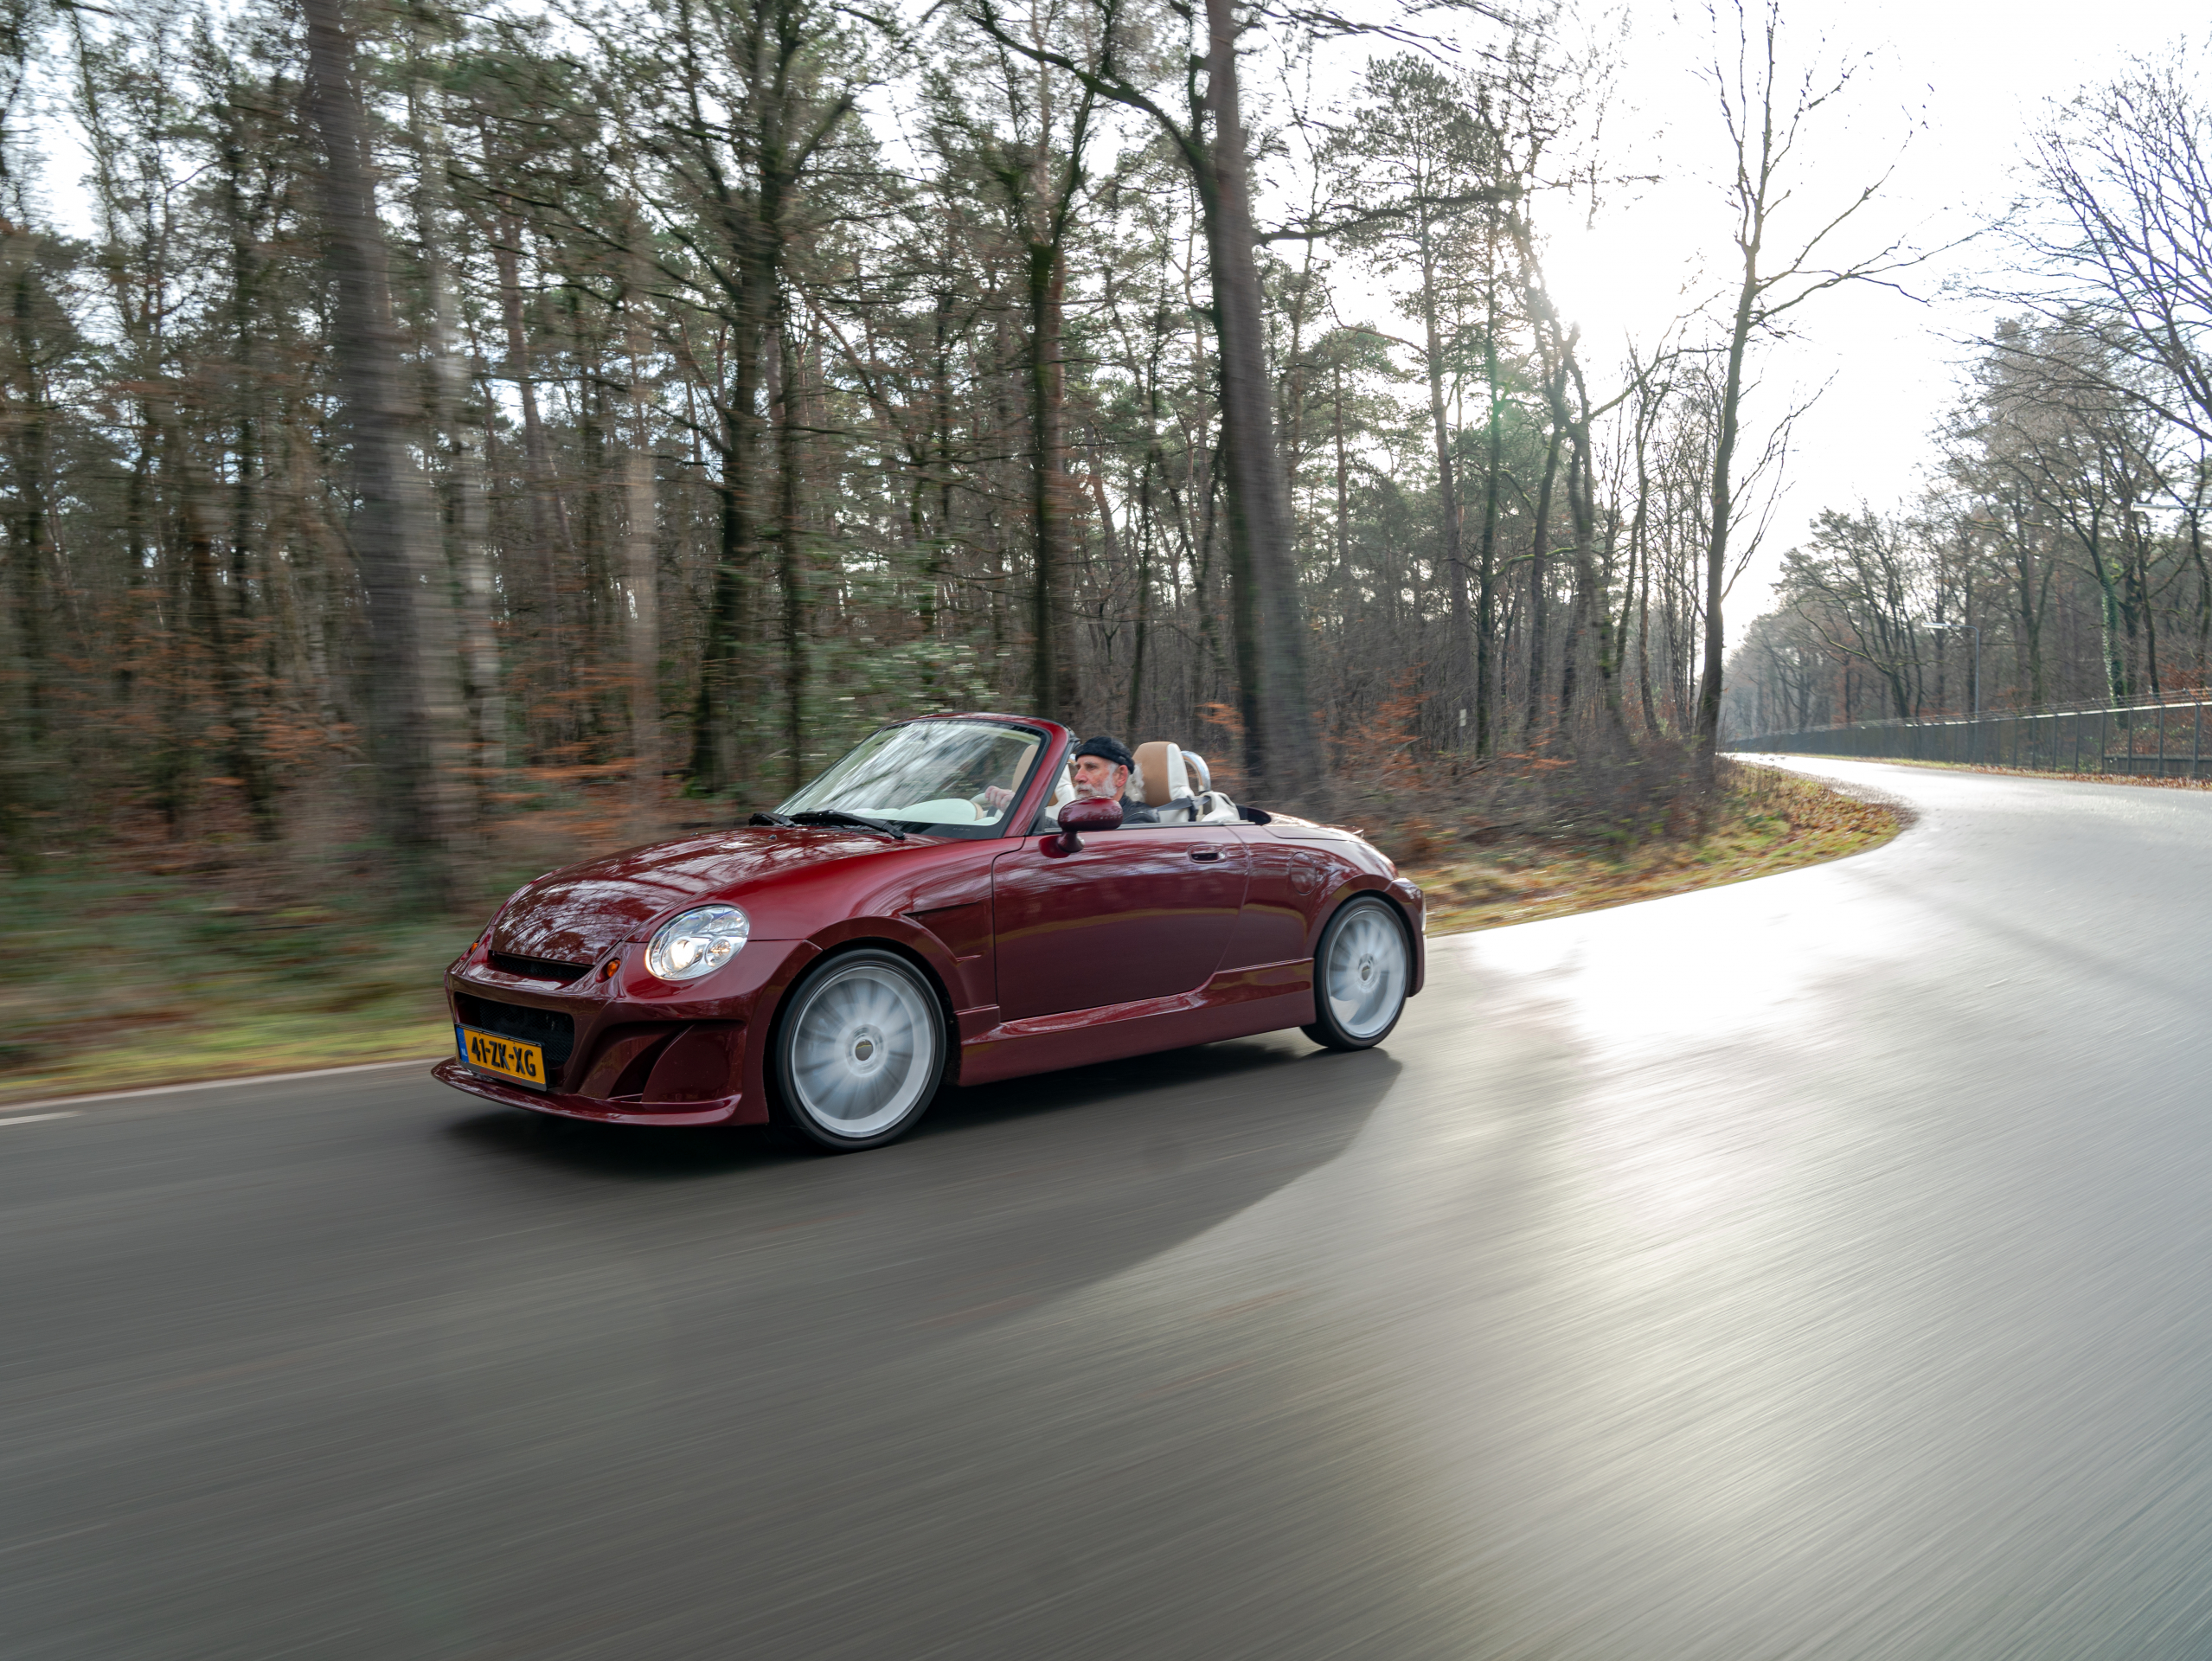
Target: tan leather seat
<point>1159,765</point>
<point>1178,786</point>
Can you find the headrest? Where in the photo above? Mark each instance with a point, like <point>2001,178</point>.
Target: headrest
<point>1159,765</point>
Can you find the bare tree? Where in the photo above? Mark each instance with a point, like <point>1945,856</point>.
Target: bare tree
<point>1859,588</point>
<point>1764,110</point>
<point>2123,237</point>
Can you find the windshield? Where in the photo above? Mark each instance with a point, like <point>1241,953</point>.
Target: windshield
<point>950,778</point>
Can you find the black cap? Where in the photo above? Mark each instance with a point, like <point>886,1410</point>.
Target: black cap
<point>1112,748</point>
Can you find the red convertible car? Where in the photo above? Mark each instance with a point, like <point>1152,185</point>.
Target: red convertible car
<point>939,907</point>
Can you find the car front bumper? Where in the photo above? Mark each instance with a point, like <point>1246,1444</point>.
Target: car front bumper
<point>633,1050</point>
<point>730,1110</point>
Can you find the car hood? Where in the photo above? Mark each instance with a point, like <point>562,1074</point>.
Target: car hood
<point>580,913</point>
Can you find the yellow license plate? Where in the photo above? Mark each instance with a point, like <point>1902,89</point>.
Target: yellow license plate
<point>508,1058</point>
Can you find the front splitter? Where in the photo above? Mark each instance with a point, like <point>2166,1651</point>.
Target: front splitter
<point>726,1111</point>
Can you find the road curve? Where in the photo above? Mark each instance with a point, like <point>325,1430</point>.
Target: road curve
<point>1811,1267</point>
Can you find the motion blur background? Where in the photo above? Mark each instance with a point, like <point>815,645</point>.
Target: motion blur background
<point>435,444</point>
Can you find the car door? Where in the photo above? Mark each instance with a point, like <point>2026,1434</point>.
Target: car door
<point>1289,876</point>
<point>1142,911</point>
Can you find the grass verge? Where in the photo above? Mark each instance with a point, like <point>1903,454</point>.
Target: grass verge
<point>116,980</point>
<point>119,978</point>
<point>1763,821</point>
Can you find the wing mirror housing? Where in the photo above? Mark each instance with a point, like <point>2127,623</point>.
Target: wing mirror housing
<point>1087,813</point>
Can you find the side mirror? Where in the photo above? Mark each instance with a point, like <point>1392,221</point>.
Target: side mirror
<point>1087,813</point>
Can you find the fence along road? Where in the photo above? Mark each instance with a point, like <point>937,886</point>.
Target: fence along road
<point>1813,1267</point>
<point>2159,740</point>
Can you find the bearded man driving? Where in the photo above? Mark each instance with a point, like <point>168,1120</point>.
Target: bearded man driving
<point>1100,771</point>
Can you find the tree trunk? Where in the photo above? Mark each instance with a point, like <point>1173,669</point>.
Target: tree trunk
<point>240,748</point>
<point>1722,506</point>
<point>468,512</point>
<point>1281,753</point>
<point>547,517</point>
<point>2114,624</point>
<point>790,551</point>
<point>1643,648</point>
<point>388,527</point>
<point>714,766</point>
<point>1636,585</point>
<point>23,719</point>
<point>1343,479</point>
<point>1539,579</point>
<point>1144,533</point>
<point>641,564</point>
<point>1486,568</point>
<point>1446,484</point>
<point>714,761</point>
<point>1052,658</point>
<point>1592,610</point>
<point>1109,549</point>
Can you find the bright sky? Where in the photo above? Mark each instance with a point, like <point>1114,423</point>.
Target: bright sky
<point>1956,84</point>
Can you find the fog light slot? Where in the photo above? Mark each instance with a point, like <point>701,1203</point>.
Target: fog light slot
<point>701,1065</point>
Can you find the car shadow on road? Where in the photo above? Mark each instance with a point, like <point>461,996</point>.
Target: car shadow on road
<point>1233,1065</point>
<point>635,1152</point>
<point>647,1153</point>
<point>1007,1195</point>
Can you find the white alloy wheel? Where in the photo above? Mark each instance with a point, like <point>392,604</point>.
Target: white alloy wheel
<point>1363,968</point>
<point>863,1049</point>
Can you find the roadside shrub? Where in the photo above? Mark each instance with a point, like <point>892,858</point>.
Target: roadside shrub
<point>1594,802</point>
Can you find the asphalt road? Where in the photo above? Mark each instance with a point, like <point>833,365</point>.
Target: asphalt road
<point>1811,1267</point>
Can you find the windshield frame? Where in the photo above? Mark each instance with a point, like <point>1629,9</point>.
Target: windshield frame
<point>1051,740</point>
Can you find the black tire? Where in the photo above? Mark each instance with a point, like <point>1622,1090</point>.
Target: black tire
<point>859,1050</point>
<point>1360,971</point>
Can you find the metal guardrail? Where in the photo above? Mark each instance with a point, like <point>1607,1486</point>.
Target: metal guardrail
<point>2159,741</point>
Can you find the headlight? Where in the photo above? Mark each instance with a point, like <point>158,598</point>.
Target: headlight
<point>697,943</point>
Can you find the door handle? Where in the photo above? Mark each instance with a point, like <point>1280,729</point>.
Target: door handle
<point>1207,854</point>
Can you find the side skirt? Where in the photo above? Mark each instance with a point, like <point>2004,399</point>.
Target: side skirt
<point>1233,1003</point>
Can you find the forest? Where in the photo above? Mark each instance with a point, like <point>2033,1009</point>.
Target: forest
<point>450,413</point>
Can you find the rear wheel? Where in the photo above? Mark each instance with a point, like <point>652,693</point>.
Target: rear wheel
<point>1360,975</point>
<point>860,1051</point>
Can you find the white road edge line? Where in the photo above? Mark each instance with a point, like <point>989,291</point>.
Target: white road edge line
<point>32,1119</point>
<point>241,1081</point>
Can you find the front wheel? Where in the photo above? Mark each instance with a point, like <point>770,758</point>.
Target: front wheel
<point>860,1050</point>
<point>1360,975</point>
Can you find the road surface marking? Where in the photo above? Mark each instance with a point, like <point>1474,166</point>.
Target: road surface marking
<point>241,1080</point>
<point>32,1119</point>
